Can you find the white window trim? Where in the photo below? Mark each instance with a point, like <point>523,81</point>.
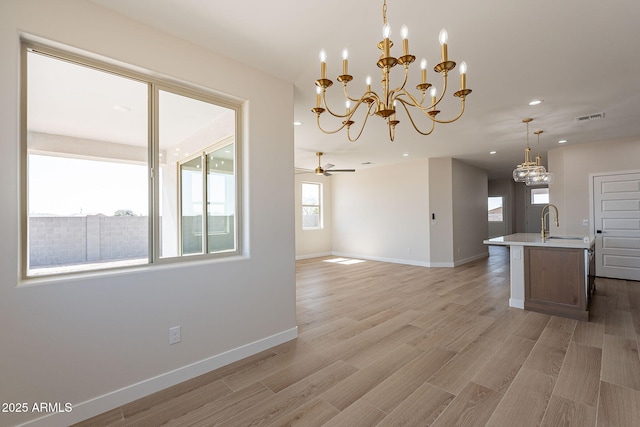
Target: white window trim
<point>156,83</point>
<point>533,191</point>
<point>205,152</point>
<point>320,206</point>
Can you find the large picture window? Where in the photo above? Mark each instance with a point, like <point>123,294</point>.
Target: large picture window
<point>120,169</point>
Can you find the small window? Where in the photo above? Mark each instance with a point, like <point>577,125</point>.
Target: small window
<point>496,209</point>
<point>311,206</point>
<point>539,196</point>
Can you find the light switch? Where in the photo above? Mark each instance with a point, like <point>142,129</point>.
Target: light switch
<point>516,253</point>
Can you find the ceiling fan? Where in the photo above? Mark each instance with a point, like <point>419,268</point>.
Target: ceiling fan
<point>324,170</point>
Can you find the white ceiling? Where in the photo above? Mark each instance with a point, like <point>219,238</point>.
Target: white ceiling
<point>67,99</point>
<point>579,56</point>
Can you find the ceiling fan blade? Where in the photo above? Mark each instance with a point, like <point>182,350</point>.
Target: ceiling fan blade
<point>302,170</point>
<point>325,170</point>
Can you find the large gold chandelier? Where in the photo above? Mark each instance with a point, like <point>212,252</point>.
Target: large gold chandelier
<point>390,99</point>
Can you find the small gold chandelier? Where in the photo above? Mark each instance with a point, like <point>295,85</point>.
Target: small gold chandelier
<point>541,175</point>
<point>532,172</point>
<point>386,103</point>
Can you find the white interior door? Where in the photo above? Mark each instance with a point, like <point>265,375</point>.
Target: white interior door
<point>617,223</point>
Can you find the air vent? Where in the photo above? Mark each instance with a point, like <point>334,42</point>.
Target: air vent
<point>589,117</point>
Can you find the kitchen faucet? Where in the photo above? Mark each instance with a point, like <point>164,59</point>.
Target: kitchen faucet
<point>544,231</point>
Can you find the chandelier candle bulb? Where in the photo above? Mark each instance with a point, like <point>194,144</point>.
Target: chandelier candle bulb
<point>345,61</point>
<point>463,75</point>
<point>433,92</point>
<point>423,67</point>
<point>386,32</point>
<point>368,83</point>
<point>318,92</point>
<point>323,64</point>
<point>347,104</point>
<point>404,32</point>
<point>443,43</point>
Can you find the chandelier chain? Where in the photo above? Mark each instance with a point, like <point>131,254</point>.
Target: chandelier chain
<point>384,12</point>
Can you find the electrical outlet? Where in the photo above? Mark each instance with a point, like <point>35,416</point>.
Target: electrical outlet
<point>516,253</point>
<point>585,222</point>
<point>174,335</point>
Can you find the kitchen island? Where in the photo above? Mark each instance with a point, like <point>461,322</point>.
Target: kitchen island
<point>553,276</point>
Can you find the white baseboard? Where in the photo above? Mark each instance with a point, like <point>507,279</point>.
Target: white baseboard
<point>516,303</point>
<point>114,399</point>
<point>442,264</point>
<point>308,256</point>
<point>383,259</point>
<point>414,262</point>
<point>471,259</point>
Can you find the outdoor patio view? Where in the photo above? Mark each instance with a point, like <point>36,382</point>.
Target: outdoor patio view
<point>91,178</point>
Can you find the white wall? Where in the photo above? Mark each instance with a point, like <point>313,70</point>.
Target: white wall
<point>314,243</point>
<point>105,336</point>
<point>458,197</point>
<point>506,188</point>
<point>470,221</point>
<point>573,164</point>
<point>441,212</point>
<point>382,213</point>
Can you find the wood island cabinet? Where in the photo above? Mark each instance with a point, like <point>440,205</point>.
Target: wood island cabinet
<point>557,281</point>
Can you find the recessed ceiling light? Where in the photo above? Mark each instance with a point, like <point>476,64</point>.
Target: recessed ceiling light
<point>405,154</point>
<point>297,123</point>
<point>562,141</point>
<point>492,152</point>
<point>535,102</point>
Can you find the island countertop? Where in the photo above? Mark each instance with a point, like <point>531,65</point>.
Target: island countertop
<point>535,239</point>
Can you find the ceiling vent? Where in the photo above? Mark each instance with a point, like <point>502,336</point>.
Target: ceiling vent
<point>589,117</point>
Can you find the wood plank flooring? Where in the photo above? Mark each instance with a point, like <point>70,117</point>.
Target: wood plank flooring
<point>393,345</point>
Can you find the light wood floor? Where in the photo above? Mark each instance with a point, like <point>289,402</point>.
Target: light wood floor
<point>395,345</point>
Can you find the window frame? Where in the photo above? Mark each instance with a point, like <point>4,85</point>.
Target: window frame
<point>319,205</point>
<point>155,84</point>
<point>539,190</point>
<point>502,198</point>
<point>205,216</point>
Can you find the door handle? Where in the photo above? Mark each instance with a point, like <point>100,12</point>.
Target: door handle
<point>599,231</point>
